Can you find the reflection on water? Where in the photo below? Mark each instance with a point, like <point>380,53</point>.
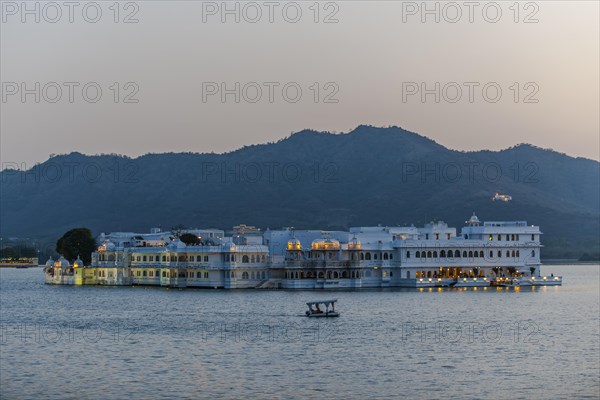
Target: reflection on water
<point>100,342</point>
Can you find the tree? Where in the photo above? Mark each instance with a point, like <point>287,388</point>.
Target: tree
<point>189,239</point>
<point>77,242</point>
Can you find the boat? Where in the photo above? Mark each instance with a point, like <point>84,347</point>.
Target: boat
<point>315,311</point>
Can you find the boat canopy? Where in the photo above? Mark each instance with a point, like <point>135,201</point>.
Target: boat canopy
<point>325,302</point>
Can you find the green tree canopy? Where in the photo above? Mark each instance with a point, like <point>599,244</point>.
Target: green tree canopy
<point>189,239</point>
<point>77,242</point>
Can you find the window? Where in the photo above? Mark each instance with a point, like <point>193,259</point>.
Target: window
<point>456,254</point>
<point>417,254</point>
<point>144,273</point>
<point>507,253</point>
<point>437,236</point>
<point>375,256</point>
<point>368,256</point>
<point>443,253</point>
<point>151,258</point>
<point>151,273</point>
<point>470,254</point>
<point>475,253</point>
<point>499,253</point>
<point>481,254</point>
<point>490,238</point>
<point>205,258</point>
<point>245,259</point>
<point>429,254</point>
<point>244,275</point>
<point>157,273</point>
<point>205,275</point>
<point>507,239</point>
<point>499,237</point>
<point>532,237</point>
<point>448,236</point>
<point>435,254</point>
<point>427,236</point>
<point>198,274</point>
<point>138,258</point>
<point>532,253</point>
<point>464,253</point>
<point>144,258</point>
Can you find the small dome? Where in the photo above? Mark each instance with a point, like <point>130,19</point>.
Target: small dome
<point>322,244</point>
<point>78,263</point>
<point>62,263</point>
<point>294,244</point>
<point>354,244</point>
<point>50,262</point>
<point>229,245</point>
<point>474,221</point>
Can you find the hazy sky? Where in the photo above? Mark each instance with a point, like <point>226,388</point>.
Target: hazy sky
<point>375,61</point>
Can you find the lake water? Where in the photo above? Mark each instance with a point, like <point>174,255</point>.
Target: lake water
<point>61,342</point>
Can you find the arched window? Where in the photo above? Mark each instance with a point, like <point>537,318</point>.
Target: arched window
<point>456,254</point>
<point>429,254</point>
<point>328,274</point>
<point>443,254</point>
<point>362,256</point>
<point>368,256</point>
<point>481,254</point>
<point>321,275</point>
<point>245,259</point>
<point>344,275</point>
<point>429,274</point>
<point>465,254</point>
<point>491,254</point>
<point>407,274</point>
<point>499,253</point>
<point>417,254</point>
<point>385,256</point>
<point>335,275</point>
<point>470,253</point>
<point>507,253</point>
<point>435,254</point>
<point>475,253</point>
<point>518,255</point>
<point>532,253</point>
<point>375,256</point>
<point>252,259</point>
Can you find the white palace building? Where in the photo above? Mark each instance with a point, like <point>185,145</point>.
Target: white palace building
<point>484,254</point>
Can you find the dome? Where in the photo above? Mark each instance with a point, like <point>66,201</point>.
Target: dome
<point>322,244</point>
<point>229,245</point>
<point>62,263</point>
<point>474,221</point>
<point>50,262</point>
<point>294,244</point>
<point>107,246</point>
<point>78,263</point>
<point>354,244</point>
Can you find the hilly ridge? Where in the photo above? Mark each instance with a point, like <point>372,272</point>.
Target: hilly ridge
<point>310,180</point>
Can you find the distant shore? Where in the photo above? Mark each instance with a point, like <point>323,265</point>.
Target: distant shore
<point>564,261</point>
